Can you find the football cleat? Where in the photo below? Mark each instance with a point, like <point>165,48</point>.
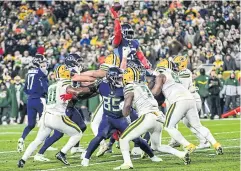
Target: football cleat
<point>117,145</point>
<point>156,159</point>
<point>61,157</point>
<point>218,148</point>
<point>136,151</point>
<point>144,155</point>
<point>203,145</point>
<point>75,150</point>
<point>85,162</point>
<point>124,166</point>
<point>102,150</point>
<point>190,148</point>
<point>41,158</point>
<point>174,144</point>
<point>20,147</point>
<point>52,149</point>
<point>21,163</point>
<point>186,159</point>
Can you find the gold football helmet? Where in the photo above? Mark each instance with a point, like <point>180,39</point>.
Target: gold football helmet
<point>62,72</point>
<point>163,63</point>
<point>181,62</point>
<point>131,75</point>
<point>112,60</point>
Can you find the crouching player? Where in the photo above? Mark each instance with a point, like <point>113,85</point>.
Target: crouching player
<point>54,117</point>
<point>138,95</point>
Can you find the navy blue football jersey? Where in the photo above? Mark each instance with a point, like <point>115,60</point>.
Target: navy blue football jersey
<point>111,99</point>
<point>133,44</point>
<point>36,84</point>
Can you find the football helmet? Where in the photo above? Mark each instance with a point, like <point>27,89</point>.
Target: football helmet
<point>181,62</point>
<point>38,60</point>
<point>112,60</point>
<point>127,31</point>
<point>74,63</point>
<point>131,75</point>
<point>114,76</point>
<point>167,64</point>
<point>62,72</point>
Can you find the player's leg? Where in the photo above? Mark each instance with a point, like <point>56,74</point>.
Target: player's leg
<point>194,121</point>
<point>32,115</point>
<point>103,131</point>
<point>175,113</point>
<point>140,126</point>
<point>77,118</point>
<point>43,133</point>
<point>156,144</point>
<point>48,142</point>
<point>68,127</point>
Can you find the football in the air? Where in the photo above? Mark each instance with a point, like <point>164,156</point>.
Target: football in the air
<point>116,6</point>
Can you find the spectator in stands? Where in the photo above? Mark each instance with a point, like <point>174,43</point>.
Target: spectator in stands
<point>214,88</point>
<point>201,82</point>
<point>231,91</point>
<point>229,63</point>
<point>4,104</point>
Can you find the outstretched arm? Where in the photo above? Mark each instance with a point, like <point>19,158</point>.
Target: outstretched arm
<point>143,59</point>
<point>84,78</point>
<point>159,81</point>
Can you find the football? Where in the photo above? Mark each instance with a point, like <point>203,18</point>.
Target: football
<point>117,6</point>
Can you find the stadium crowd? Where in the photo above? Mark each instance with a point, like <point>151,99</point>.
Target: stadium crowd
<point>206,32</point>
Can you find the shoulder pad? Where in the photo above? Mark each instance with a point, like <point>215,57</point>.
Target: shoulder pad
<point>184,74</point>
<point>128,88</point>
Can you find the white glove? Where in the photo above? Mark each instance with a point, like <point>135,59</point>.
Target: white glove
<point>121,105</point>
<point>161,117</point>
<point>126,51</point>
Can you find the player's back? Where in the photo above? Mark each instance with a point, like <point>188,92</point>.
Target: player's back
<point>55,104</point>
<point>111,99</point>
<point>172,89</point>
<point>144,102</point>
<point>36,85</point>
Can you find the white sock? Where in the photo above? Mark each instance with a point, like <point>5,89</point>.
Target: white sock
<point>71,143</point>
<point>175,134</point>
<point>125,148</point>
<point>170,150</point>
<point>31,148</point>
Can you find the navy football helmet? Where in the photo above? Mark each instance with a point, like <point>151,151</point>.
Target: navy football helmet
<point>38,59</point>
<point>114,76</point>
<point>127,31</point>
<point>74,63</point>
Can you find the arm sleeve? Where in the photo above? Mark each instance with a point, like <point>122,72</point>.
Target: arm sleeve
<point>117,33</point>
<point>143,59</point>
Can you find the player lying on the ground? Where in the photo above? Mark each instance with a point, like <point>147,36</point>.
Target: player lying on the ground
<point>54,117</point>
<point>183,106</point>
<point>138,95</point>
<point>36,87</point>
<point>73,63</point>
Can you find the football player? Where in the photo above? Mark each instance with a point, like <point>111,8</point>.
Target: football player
<point>138,95</point>
<point>55,118</point>
<point>112,119</point>
<point>73,63</point>
<point>182,105</point>
<point>185,76</point>
<point>36,87</point>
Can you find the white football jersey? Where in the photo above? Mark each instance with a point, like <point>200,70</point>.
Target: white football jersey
<point>143,102</point>
<point>173,90</point>
<point>185,77</point>
<point>55,104</point>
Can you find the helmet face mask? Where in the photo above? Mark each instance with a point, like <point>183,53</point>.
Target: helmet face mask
<point>127,32</point>
<point>62,72</point>
<point>181,62</point>
<point>114,76</point>
<point>74,63</point>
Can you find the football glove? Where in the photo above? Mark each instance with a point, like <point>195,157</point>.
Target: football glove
<point>66,97</point>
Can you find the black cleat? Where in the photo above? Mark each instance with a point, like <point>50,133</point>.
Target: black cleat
<point>60,156</point>
<point>21,163</point>
<point>187,159</point>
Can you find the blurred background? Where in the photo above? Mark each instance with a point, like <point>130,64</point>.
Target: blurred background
<point>206,32</point>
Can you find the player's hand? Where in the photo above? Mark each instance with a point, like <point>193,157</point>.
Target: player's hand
<point>116,135</point>
<point>161,117</point>
<point>66,97</point>
<point>114,14</point>
<point>126,51</point>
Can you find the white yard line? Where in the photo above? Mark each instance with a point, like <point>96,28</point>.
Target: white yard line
<point>114,161</point>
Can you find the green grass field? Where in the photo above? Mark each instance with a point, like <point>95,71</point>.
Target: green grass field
<point>227,132</point>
